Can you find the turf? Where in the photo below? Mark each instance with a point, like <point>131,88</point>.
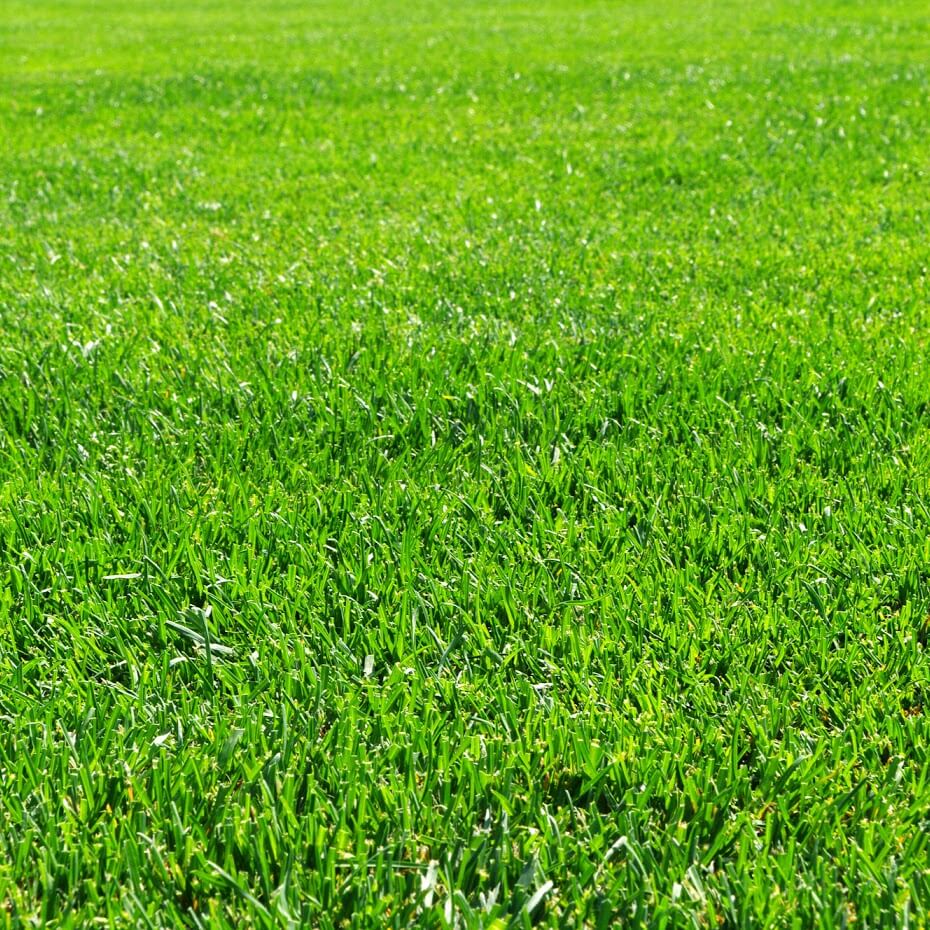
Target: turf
<point>464,465</point>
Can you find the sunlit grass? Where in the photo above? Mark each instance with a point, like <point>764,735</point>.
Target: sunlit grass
<point>464,465</point>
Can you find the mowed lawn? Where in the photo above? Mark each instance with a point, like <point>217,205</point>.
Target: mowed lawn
<point>464,464</point>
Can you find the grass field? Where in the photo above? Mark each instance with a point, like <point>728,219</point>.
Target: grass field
<point>464,464</point>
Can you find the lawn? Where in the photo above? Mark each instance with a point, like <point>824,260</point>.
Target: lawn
<point>464,464</point>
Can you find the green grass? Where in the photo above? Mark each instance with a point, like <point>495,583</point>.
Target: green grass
<point>464,464</point>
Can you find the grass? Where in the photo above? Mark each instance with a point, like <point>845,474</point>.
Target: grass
<point>464,465</point>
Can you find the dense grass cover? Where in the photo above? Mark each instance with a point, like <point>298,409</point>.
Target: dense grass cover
<point>464,464</point>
